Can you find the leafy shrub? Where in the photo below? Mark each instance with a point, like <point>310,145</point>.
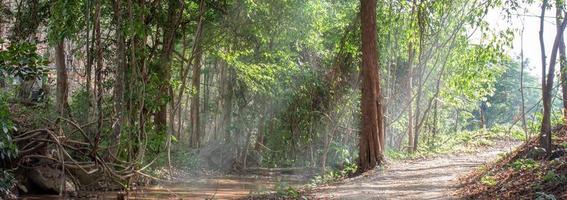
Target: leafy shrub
<point>7,182</point>
<point>524,164</point>
<point>287,192</point>
<point>552,177</point>
<point>8,149</point>
<point>488,180</point>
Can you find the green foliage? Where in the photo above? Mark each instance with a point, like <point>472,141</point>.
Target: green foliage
<point>489,180</point>
<point>524,164</point>
<point>7,182</point>
<point>554,178</point>
<point>286,192</point>
<point>8,149</point>
<point>65,20</point>
<point>21,60</point>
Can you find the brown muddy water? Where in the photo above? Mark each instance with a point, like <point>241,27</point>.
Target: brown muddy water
<point>226,187</point>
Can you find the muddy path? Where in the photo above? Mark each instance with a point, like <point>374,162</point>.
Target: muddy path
<point>432,178</point>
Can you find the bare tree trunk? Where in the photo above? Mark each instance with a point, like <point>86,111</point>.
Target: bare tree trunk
<point>62,85</point>
<point>562,58</point>
<point>120,76</point>
<point>411,54</point>
<point>98,75</point>
<point>195,140</point>
<point>174,14</point>
<point>370,144</point>
<point>410,100</point>
<point>547,83</point>
<point>523,108</point>
<point>482,117</point>
<point>227,103</point>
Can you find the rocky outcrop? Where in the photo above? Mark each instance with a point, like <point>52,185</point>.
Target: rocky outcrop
<point>51,180</point>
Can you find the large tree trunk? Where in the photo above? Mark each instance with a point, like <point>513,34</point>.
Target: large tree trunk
<point>62,85</point>
<point>371,138</point>
<point>164,72</point>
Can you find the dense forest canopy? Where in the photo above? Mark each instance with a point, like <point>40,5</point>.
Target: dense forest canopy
<point>120,89</point>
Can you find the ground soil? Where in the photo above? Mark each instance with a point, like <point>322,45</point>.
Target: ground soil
<point>429,178</point>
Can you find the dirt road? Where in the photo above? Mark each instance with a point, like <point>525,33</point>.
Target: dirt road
<point>432,178</point>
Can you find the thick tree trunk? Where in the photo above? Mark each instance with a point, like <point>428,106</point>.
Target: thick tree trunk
<point>371,138</point>
<point>164,72</point>
<point>62,92</point>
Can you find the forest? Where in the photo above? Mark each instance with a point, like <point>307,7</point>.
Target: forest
<point>283,99</point>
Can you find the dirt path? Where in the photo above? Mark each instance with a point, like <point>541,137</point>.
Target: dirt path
<point>433,178</point>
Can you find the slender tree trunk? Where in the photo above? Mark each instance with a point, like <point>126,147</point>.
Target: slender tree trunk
<point>482,116</point>
<point>547,82</point>
<point>370,144</point>
<point>410,100</point>
<point>62,85</point>
<point>120,76</point>
<point>195,102</point>
<point>562,58</point>
<point>98,74</point>
<point>227,103</point>
<point>523,108</point>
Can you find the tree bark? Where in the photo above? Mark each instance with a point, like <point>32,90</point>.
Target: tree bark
<point>523,106</point>
<point>195,101</point>
<point>371,138</point>
<point>62,85</point>
<point>120,75</point>
<point>547,82</point>
<point>562,58</point>
<point>164,72</point>
<point>98,75</point>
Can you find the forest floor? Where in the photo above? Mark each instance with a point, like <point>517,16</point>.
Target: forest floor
<point>426,178</point>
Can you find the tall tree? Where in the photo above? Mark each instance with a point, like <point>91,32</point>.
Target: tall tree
<point>547,79</point>
<point>164,71</point>
<point>120,76</point>
<point>62,91</point>
<point>372,136</point>
<point>560,6</point>
<point>195,139</point>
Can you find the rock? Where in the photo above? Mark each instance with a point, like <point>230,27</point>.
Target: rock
<point>558,153</point>
<point>49,179</point>
<point>536,154</point>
